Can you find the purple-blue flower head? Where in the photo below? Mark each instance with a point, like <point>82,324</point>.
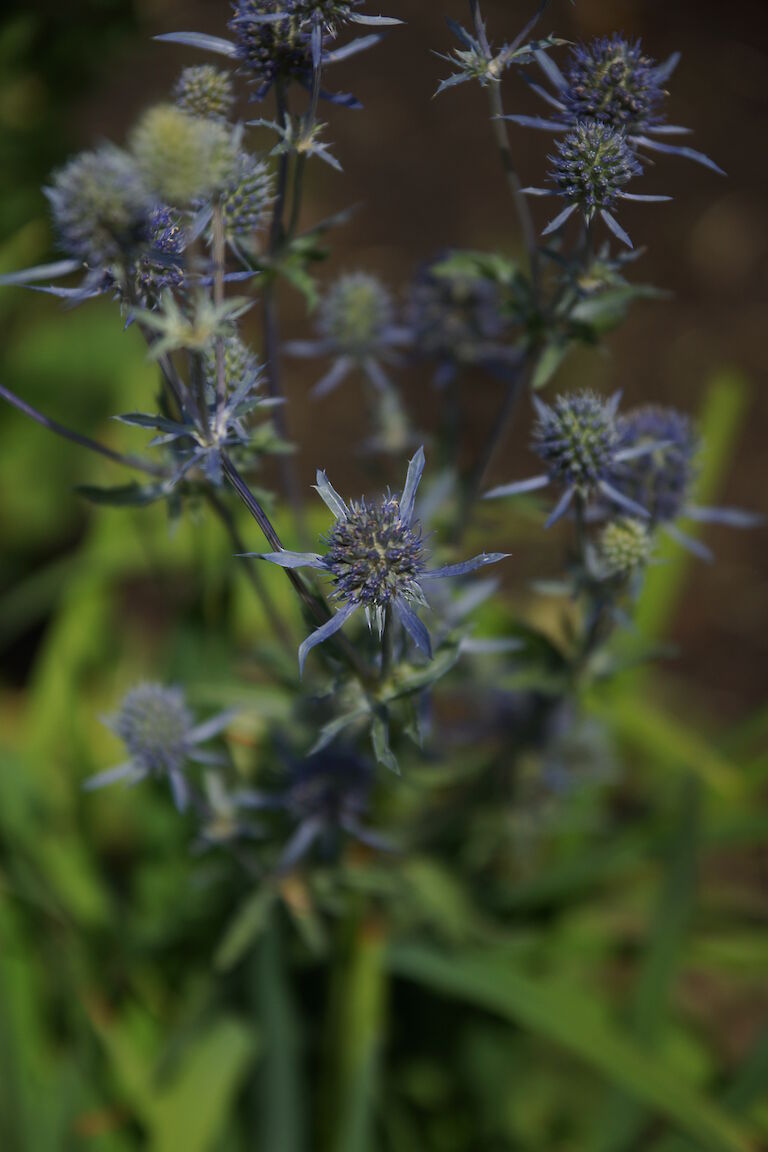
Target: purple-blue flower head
<point>662,478</point>
<point>613,81</point>
<point>376,561</point>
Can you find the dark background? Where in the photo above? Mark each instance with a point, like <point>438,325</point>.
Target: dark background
<point>426,175</point>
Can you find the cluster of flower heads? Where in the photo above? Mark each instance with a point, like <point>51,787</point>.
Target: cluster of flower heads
<point>580,442</point>
<point>376,561</point>
<point>128,217</point>
<point>639,467</point>
<point>608,109</point>
<point>323,798</point>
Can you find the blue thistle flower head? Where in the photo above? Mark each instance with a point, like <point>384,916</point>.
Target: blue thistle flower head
<point>376,561</point>
<point>661,479</point>
<point>455,319</point>
<point>328,797</point>
<point>153,723</point>
<point>100,206</point>
<point>375,557</point>
<point>584,449</point>
<point>333,786</point>
<point>161,737</point>
<point>577,438</point>
<point>612,81</point>
<point>592,166</point>
<point>206,91</point>
<point>356,314</point>
<point>274,41</point>
<point>248,197</point>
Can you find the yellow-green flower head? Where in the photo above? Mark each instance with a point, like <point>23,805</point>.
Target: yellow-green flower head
<point>205,91</point>
<point>182,157</point>
<point>100,205</point>
<point>624,546</point>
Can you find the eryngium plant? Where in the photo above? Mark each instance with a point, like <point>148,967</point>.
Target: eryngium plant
<point>200,216</point>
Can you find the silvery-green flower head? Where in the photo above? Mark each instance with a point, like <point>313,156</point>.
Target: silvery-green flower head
<point>100,205</point>
<point>183,158</point>
<point>355,314</point>
<point>153,723</point>
<point>376,561</point>
<point>161,738</point>
<point>205,91</point>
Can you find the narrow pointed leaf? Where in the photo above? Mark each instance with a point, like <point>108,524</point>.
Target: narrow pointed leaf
<point>330,496</point>
<point>412,481</point>
<point>559,220</point>
<point>201,40</point>
<point>533,484</point>
<point>413,626</point>
<point>465,566</point>
<point>330,628</point>
<point>678,150</point>
<point>616,228</point>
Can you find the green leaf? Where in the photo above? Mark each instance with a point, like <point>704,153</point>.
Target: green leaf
<point>360,1002</point>
<point>282,1096</point>
<point>244,930</point>
<point>548,363</point>
<point>621,1125</point>
<point>577,1024</point>
<point>194,1111</point>
<point>605,310</point>
<point>380,740</point>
